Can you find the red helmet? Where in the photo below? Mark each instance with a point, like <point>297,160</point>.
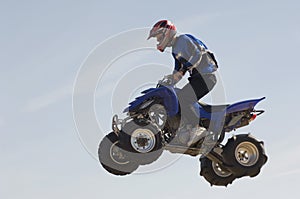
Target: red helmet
<point>167,29</point>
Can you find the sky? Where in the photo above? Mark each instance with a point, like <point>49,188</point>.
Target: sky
<point>46,47</point>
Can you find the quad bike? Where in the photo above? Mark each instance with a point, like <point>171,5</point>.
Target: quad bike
<point>154,124</point>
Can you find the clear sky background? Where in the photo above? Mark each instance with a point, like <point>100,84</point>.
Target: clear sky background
<point>44,43</point>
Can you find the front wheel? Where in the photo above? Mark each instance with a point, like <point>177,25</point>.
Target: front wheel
<point>246,154</point>
<point>143,142</point>
<point>113,158</point>
<point>214,173</point>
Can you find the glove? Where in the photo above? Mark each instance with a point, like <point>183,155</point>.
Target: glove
<point>168,80</point>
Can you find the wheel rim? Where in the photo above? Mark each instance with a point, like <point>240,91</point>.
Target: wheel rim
<point>117,155</point>
<point>219,171</point>
<point>158,114</point>
<point>143,140</point>
<point>247,154</point>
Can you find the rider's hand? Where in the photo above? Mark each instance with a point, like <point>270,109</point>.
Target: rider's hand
<point>170,79</point>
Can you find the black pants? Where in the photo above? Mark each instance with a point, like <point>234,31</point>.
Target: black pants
<point>198,86</point>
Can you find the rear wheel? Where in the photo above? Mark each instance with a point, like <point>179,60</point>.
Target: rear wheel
<point>113,158</point>
<point>214,173</point>
<point>246,154</point>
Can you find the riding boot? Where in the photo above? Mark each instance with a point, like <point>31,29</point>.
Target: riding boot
<point>196,134</point>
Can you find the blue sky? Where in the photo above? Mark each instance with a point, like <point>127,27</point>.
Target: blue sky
<point>44,44</point>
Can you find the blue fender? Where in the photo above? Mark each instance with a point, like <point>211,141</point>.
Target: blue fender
<point>243,105</point>
<point>166,93</point>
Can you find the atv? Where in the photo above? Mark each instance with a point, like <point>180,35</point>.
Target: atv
<point>154,124</point>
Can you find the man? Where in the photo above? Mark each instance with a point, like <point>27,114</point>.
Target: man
<point>192,56</point>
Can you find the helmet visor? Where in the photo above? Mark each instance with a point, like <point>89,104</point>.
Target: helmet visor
<point>155,32</point>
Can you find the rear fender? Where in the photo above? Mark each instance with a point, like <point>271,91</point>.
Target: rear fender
<point>244,105</point>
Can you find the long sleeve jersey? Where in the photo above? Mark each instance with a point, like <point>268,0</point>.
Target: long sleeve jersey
<point>188,55</point>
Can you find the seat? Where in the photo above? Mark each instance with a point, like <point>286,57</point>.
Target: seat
<point>213,108</point>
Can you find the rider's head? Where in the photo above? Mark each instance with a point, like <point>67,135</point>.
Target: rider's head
<point>164,31</point>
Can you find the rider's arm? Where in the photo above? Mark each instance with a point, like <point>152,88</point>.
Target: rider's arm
<point>177,76</point>
<point>178,72</point>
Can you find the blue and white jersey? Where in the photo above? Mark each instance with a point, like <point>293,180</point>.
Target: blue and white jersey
<point>190,53</point>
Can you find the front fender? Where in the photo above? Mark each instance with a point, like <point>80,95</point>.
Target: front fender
<point>166,93</point>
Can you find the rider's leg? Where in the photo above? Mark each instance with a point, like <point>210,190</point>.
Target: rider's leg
<point>197,88</point>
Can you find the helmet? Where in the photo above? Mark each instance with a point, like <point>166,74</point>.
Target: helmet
<point>168,30</point>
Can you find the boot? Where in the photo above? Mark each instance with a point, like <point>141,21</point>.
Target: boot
<point>196,134</point>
